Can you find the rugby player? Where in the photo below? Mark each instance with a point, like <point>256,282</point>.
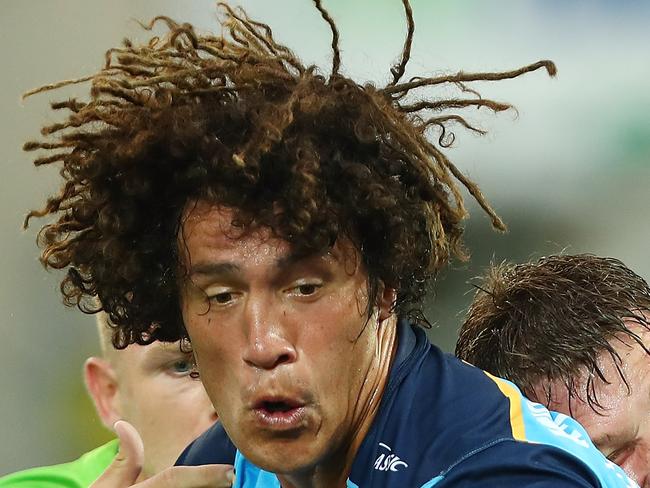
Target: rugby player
<point>288,222</point>
<point>150,388</point>
<point>572,331</point>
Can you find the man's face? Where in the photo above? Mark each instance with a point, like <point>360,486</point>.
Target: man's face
<point>156,394</point>
<point>282,342</point>
<point>622,430</point>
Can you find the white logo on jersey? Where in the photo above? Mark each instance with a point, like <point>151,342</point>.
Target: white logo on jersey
<point>389,462</point>
<point>558,425</point>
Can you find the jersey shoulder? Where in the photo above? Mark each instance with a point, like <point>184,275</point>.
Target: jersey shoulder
<point>212,447</point>
<point>446,415</point>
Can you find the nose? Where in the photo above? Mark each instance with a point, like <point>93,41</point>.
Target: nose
<point>268,339</point>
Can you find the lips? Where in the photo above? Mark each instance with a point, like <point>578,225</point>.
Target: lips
<point>279,413</point>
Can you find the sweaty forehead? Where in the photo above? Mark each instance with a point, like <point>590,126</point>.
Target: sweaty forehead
<point>606,426</point>
<point>212,219</point>
<point>208,233</point>
<point>622,408</point>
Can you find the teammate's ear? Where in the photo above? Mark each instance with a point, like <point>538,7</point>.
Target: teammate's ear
<point>101,383</point>
<point>386,302</point>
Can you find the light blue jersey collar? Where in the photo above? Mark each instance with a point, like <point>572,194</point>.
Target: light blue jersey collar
<point>250,476</point>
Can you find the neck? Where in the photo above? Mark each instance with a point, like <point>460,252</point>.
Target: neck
<point>333,472</point>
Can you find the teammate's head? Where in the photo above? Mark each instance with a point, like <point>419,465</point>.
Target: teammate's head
<point>149,386</point>
<point>281,213</point>
<point>572,332</point>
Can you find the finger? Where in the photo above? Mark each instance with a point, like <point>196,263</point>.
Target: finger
<point>126,466</point>
<point>208,476</point>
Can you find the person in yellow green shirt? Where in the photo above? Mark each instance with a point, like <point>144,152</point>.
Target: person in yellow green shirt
<point>148,386</point>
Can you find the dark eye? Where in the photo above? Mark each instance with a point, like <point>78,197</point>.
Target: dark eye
<point>224,297</point>
<point>307,289</point>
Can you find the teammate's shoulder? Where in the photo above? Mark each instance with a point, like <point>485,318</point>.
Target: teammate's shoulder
<point>508,463</point>
<point>75,474</point>
<point>534,424</point>
<point>456,411</point>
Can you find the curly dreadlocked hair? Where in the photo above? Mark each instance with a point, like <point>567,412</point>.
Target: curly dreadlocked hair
<point>238,120</point>
<point>551,320</point>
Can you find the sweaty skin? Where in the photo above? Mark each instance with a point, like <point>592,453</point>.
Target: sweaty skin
<point>621,430</point>
<point>287,353</point>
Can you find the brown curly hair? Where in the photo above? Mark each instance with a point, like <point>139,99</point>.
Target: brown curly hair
<point>238,120</point>
<point>540,322</point>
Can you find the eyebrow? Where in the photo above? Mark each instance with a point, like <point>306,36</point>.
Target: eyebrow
<point>226,268</point>
<point>218,268</point>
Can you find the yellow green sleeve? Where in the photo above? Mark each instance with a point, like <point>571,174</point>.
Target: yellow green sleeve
<point>76,474</point>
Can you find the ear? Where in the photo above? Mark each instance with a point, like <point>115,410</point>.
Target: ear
<point>387,298</point>
<point>101,383</point>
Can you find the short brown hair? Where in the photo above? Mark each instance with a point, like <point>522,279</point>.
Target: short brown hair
<point>550,320</point>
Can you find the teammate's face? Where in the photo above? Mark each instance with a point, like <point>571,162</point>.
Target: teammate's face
<point>622,430</point>
<point>167,407</point>
<point>282,341</point>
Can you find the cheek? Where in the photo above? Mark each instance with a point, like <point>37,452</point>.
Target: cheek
<point>210,342</point>
<point>136,399</point>
<point>155,400</point>
<point>344,360</point>
<point>217,370</point>
<point>191,410</point>
<point>199,323</point>
<point>338,320</point>
<point>174,417</point>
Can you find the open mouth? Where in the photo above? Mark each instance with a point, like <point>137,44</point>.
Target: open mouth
<point>276,406</point>
<point>280,413</point>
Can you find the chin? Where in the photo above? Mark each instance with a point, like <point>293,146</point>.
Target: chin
<point>282,457</point>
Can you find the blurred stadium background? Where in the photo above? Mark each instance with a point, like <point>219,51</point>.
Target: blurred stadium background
<point>569,173</point>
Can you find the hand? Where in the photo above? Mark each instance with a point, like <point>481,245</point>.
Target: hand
<point>126,467</point>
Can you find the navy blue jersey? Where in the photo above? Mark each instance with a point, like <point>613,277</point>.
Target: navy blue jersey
<point>443,423</point>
